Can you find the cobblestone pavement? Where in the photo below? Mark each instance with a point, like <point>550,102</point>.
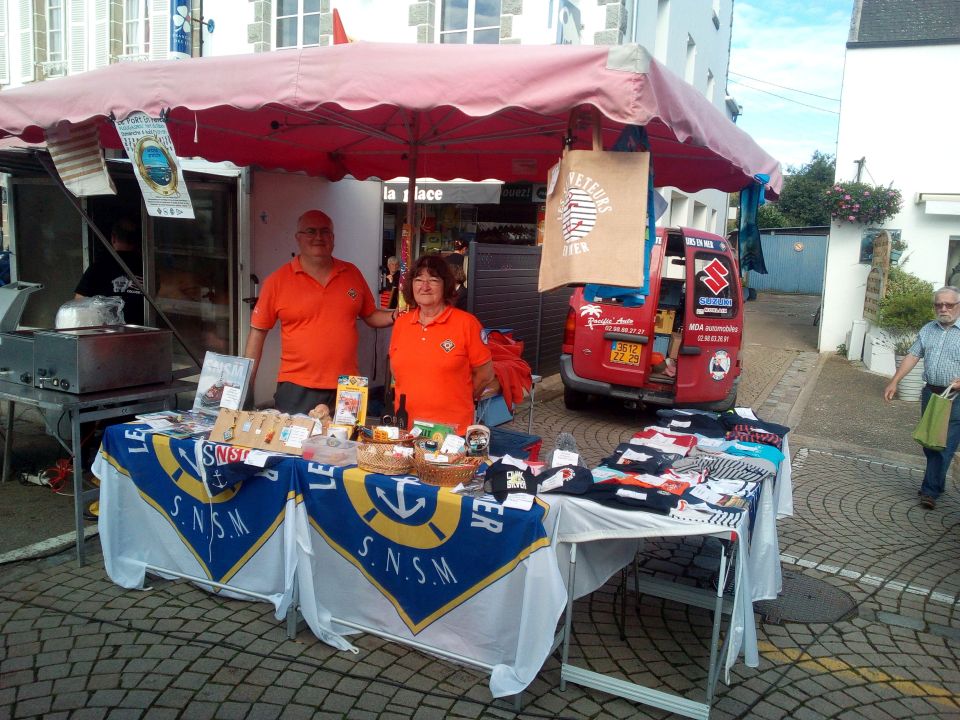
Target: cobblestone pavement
<point>72,644</point>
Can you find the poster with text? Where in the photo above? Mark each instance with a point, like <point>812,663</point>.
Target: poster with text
<point>154,159</point>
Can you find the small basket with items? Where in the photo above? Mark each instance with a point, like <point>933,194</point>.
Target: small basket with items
<point>384,458</point>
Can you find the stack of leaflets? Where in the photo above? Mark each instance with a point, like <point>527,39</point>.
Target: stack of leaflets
<point>178,424</point>
<point>224,381</point>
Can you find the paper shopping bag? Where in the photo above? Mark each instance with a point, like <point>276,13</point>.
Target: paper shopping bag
<point>931,431</point>
<point>596,219</point>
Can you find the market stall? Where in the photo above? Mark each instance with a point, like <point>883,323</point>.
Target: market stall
<point>468,575</point>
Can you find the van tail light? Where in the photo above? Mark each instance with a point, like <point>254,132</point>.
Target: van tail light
<point>569,328</point>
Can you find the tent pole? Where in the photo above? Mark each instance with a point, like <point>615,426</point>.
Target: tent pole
<point>406,252</point>
<point>47,164</point>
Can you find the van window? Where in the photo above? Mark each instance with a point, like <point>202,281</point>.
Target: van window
<point>714,286</point>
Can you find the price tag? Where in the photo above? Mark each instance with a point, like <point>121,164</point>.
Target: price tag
<point>564,457</point>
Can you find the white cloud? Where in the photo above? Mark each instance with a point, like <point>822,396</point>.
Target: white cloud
<point>795,45</point>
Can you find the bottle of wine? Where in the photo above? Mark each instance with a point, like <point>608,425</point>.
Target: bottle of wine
<point>402,412</point>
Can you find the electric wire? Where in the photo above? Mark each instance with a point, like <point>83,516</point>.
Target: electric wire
<point>189,638</point>
<point>783,97</point>
<point>784,87</point>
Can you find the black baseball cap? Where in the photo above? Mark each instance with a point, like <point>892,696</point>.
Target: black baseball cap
<point>502,479</point>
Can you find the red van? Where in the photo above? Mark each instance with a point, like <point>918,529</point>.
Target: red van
<point>617,343</point>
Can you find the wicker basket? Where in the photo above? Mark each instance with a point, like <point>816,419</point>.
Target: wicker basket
<point>446,474</point>
<point>378,458</point>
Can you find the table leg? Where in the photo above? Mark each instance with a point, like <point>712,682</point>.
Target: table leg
<point>717,621</point>
<point>8,441</point>
<point>77,481</point>
<point>568,619</point>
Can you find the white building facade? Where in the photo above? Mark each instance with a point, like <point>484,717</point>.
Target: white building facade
<point>896,111</point>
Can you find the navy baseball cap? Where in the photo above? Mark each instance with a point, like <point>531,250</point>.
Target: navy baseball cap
<point>570,479</point>
<point>502,479</point>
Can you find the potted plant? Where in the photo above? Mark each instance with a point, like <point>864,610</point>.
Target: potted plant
<point>857,202</point>
<point>905,308</point>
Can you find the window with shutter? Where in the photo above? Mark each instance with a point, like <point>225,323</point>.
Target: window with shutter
<point>159,31</point>
<point>136,30</point>
<point>78,36</point>
<point>27,62</point>
<point>101,33</point>
<point>4,66</point>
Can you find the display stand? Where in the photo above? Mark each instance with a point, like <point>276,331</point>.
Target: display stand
<point>84,408</point>
<point>640,693</point>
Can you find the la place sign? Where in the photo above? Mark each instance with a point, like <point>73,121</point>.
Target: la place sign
<point>464,193</point>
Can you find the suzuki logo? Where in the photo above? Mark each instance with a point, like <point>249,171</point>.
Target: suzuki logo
<point>716,276</point>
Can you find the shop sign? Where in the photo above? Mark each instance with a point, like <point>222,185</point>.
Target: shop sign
<point>444,192</point>
<point>514,193</point>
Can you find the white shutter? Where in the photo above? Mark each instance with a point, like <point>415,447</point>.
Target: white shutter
<point>4,67</point>
<point>101,33</point>
<point>27,64</point>
<point>78,36</point>
<point>159,29</point>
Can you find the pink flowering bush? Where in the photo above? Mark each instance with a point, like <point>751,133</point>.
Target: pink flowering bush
<point>861,203</point>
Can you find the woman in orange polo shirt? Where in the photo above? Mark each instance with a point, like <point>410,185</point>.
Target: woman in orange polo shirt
<point>439,361</point>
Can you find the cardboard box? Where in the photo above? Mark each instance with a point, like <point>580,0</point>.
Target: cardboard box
<point>664,321</point>
<point>674,345</point>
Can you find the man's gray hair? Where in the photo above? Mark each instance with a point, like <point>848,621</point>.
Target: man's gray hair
<point>948,288</point>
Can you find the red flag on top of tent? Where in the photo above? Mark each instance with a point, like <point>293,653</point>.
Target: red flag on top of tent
<point>339,34</point>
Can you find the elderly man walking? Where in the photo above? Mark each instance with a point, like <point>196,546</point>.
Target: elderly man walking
<point>938,343</point>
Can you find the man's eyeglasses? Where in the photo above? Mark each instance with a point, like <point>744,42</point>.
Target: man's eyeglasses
<point>946,306</point>
<point>314,232</point>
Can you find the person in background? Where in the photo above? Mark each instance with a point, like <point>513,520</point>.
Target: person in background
<point>317,299</point>
<point>938,343</point>
<point>439,361</point>
<point>105,276</point>
<point>460,280</point>
<point>391,284</point>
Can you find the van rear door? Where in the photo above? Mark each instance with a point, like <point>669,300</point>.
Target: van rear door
<point>709,358</point>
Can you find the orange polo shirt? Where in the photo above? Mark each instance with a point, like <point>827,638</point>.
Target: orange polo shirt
<point>318,323</point>
<point>433,365</point>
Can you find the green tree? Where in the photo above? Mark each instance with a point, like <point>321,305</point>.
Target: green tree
<point>803,197</point>
<point>769,216</point>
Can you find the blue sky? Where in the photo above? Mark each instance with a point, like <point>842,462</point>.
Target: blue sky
<point>796,44</point>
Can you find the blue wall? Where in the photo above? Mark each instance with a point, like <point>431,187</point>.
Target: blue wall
<point>795,264</point>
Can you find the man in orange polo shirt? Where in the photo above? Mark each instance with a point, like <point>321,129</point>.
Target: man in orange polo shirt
<point>317,299</point>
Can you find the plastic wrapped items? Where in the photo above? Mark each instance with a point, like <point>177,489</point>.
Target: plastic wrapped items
<point>90,312</point>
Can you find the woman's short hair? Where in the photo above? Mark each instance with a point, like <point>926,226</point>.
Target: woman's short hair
<point>435,266</point>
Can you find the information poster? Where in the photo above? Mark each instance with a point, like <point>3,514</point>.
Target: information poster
<point>154,159</point>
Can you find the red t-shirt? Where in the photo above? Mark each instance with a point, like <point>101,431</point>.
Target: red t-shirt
<point>318,323</point>
<point>433,365</point>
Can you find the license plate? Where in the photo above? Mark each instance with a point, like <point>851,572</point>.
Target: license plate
<point>625,353</point>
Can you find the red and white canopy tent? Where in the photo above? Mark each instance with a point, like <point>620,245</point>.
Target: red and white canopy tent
<point>385,110</point>
<point>372,110</point>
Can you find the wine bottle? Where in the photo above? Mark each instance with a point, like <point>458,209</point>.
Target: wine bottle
<point>402,412</point>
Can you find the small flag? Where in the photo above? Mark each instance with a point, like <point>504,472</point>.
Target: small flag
<point>339,34</point>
